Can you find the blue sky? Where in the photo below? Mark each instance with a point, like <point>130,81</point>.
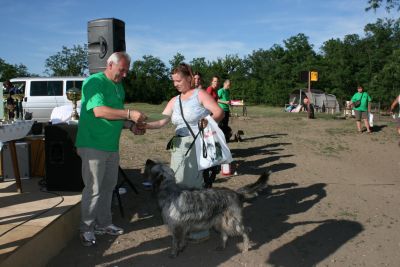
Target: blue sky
<point>33,30</point>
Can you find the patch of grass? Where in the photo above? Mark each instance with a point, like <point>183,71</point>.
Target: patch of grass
<point>348,214</point>
<point>254,111</point>
<point>141,139</point>
<point>332,150</point>
<point>152,111</point>
<point>340,131</point>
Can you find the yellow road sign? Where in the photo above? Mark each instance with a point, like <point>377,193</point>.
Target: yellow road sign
<point>314,76</point>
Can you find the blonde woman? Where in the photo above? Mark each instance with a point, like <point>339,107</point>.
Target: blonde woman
<point>196,104</point>
<point>191,105</point>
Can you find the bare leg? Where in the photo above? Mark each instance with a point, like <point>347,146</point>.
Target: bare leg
<point>367,125</point>
<point>398,130</point>
<point>358,123</point>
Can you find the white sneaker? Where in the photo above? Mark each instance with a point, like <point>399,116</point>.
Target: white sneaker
<point>87,239</point>
<point>111,230</point>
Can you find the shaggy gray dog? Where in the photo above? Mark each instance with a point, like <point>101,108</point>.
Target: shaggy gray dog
<point>186,210</point>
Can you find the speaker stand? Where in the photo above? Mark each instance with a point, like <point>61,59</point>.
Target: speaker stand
<point>125,179</point>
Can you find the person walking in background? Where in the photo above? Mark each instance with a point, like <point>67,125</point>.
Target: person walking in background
<point>212,89</point>
<point>361,102</point>
<point>396,102</point>
<point>224,100</point>
<point>101,121</point>
<point>309,107</point>
<point>196,104</point>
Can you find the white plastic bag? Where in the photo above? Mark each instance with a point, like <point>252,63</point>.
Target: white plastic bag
<point>211,147</point>
<point>371,119</point>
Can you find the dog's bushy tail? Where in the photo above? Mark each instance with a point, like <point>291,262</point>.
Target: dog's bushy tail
<point>250,190</point>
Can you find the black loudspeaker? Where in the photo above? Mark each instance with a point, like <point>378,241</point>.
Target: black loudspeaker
<point>105,36</point>
<point>63,165</point>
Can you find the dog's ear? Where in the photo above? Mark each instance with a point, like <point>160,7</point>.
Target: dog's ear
<point>156,181</point>
<point>147,168</point>
<point>150,163</point>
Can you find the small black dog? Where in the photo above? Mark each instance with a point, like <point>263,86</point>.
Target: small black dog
<point>186,210</point>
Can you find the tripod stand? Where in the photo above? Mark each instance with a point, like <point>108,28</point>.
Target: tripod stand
<point>125,179</point>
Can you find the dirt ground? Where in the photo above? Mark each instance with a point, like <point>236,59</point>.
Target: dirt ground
<point>332,200</point>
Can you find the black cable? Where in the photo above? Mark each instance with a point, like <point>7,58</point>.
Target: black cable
<point>36,215</point>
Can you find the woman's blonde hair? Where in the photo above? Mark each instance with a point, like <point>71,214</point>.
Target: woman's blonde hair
<point>185,70</point>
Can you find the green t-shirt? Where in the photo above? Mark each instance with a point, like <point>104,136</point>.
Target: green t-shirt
<point>364,100</point>
<point>224,95</point>
<point>99,133</point>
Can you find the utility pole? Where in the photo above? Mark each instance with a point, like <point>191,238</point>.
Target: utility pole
<point>312,76</point>
<point>310,95</point>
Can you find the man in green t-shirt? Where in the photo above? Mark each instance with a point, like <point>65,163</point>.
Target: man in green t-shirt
<point>363,109</point>
<point>224,100</point>
<point>100,124</point>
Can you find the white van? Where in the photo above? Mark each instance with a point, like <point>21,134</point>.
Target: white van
<point>42,95</point>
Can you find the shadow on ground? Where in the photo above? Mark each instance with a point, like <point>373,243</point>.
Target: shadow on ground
<point>268,216</point>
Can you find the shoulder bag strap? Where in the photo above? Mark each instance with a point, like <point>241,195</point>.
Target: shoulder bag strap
<point>190,129</point>
<point>183,117</point>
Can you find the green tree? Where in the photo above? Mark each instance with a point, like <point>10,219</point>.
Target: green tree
<point>176,60</point>
<point>148,81</point>
<point>390,4</point>
<point>199,64</point>
<point>8,71</point>
<point>68,62</point>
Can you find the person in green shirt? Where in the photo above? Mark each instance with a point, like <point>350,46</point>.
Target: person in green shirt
<point>101,121</point>
<point>361,111</point>
<point>224,100</point>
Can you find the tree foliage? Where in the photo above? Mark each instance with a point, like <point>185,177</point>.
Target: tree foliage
<point>68,62</point>
<point>266,76</point>
<point>148,81</point>
<point>8,71</point>
<point>389,5</point>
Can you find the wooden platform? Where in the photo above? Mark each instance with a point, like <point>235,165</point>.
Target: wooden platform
<point>35,225</point>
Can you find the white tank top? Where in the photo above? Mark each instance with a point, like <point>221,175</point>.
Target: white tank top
<point>193,111</point>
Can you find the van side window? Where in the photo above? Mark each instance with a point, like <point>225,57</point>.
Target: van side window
<point>46,88</point>
<point>74,84</point>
